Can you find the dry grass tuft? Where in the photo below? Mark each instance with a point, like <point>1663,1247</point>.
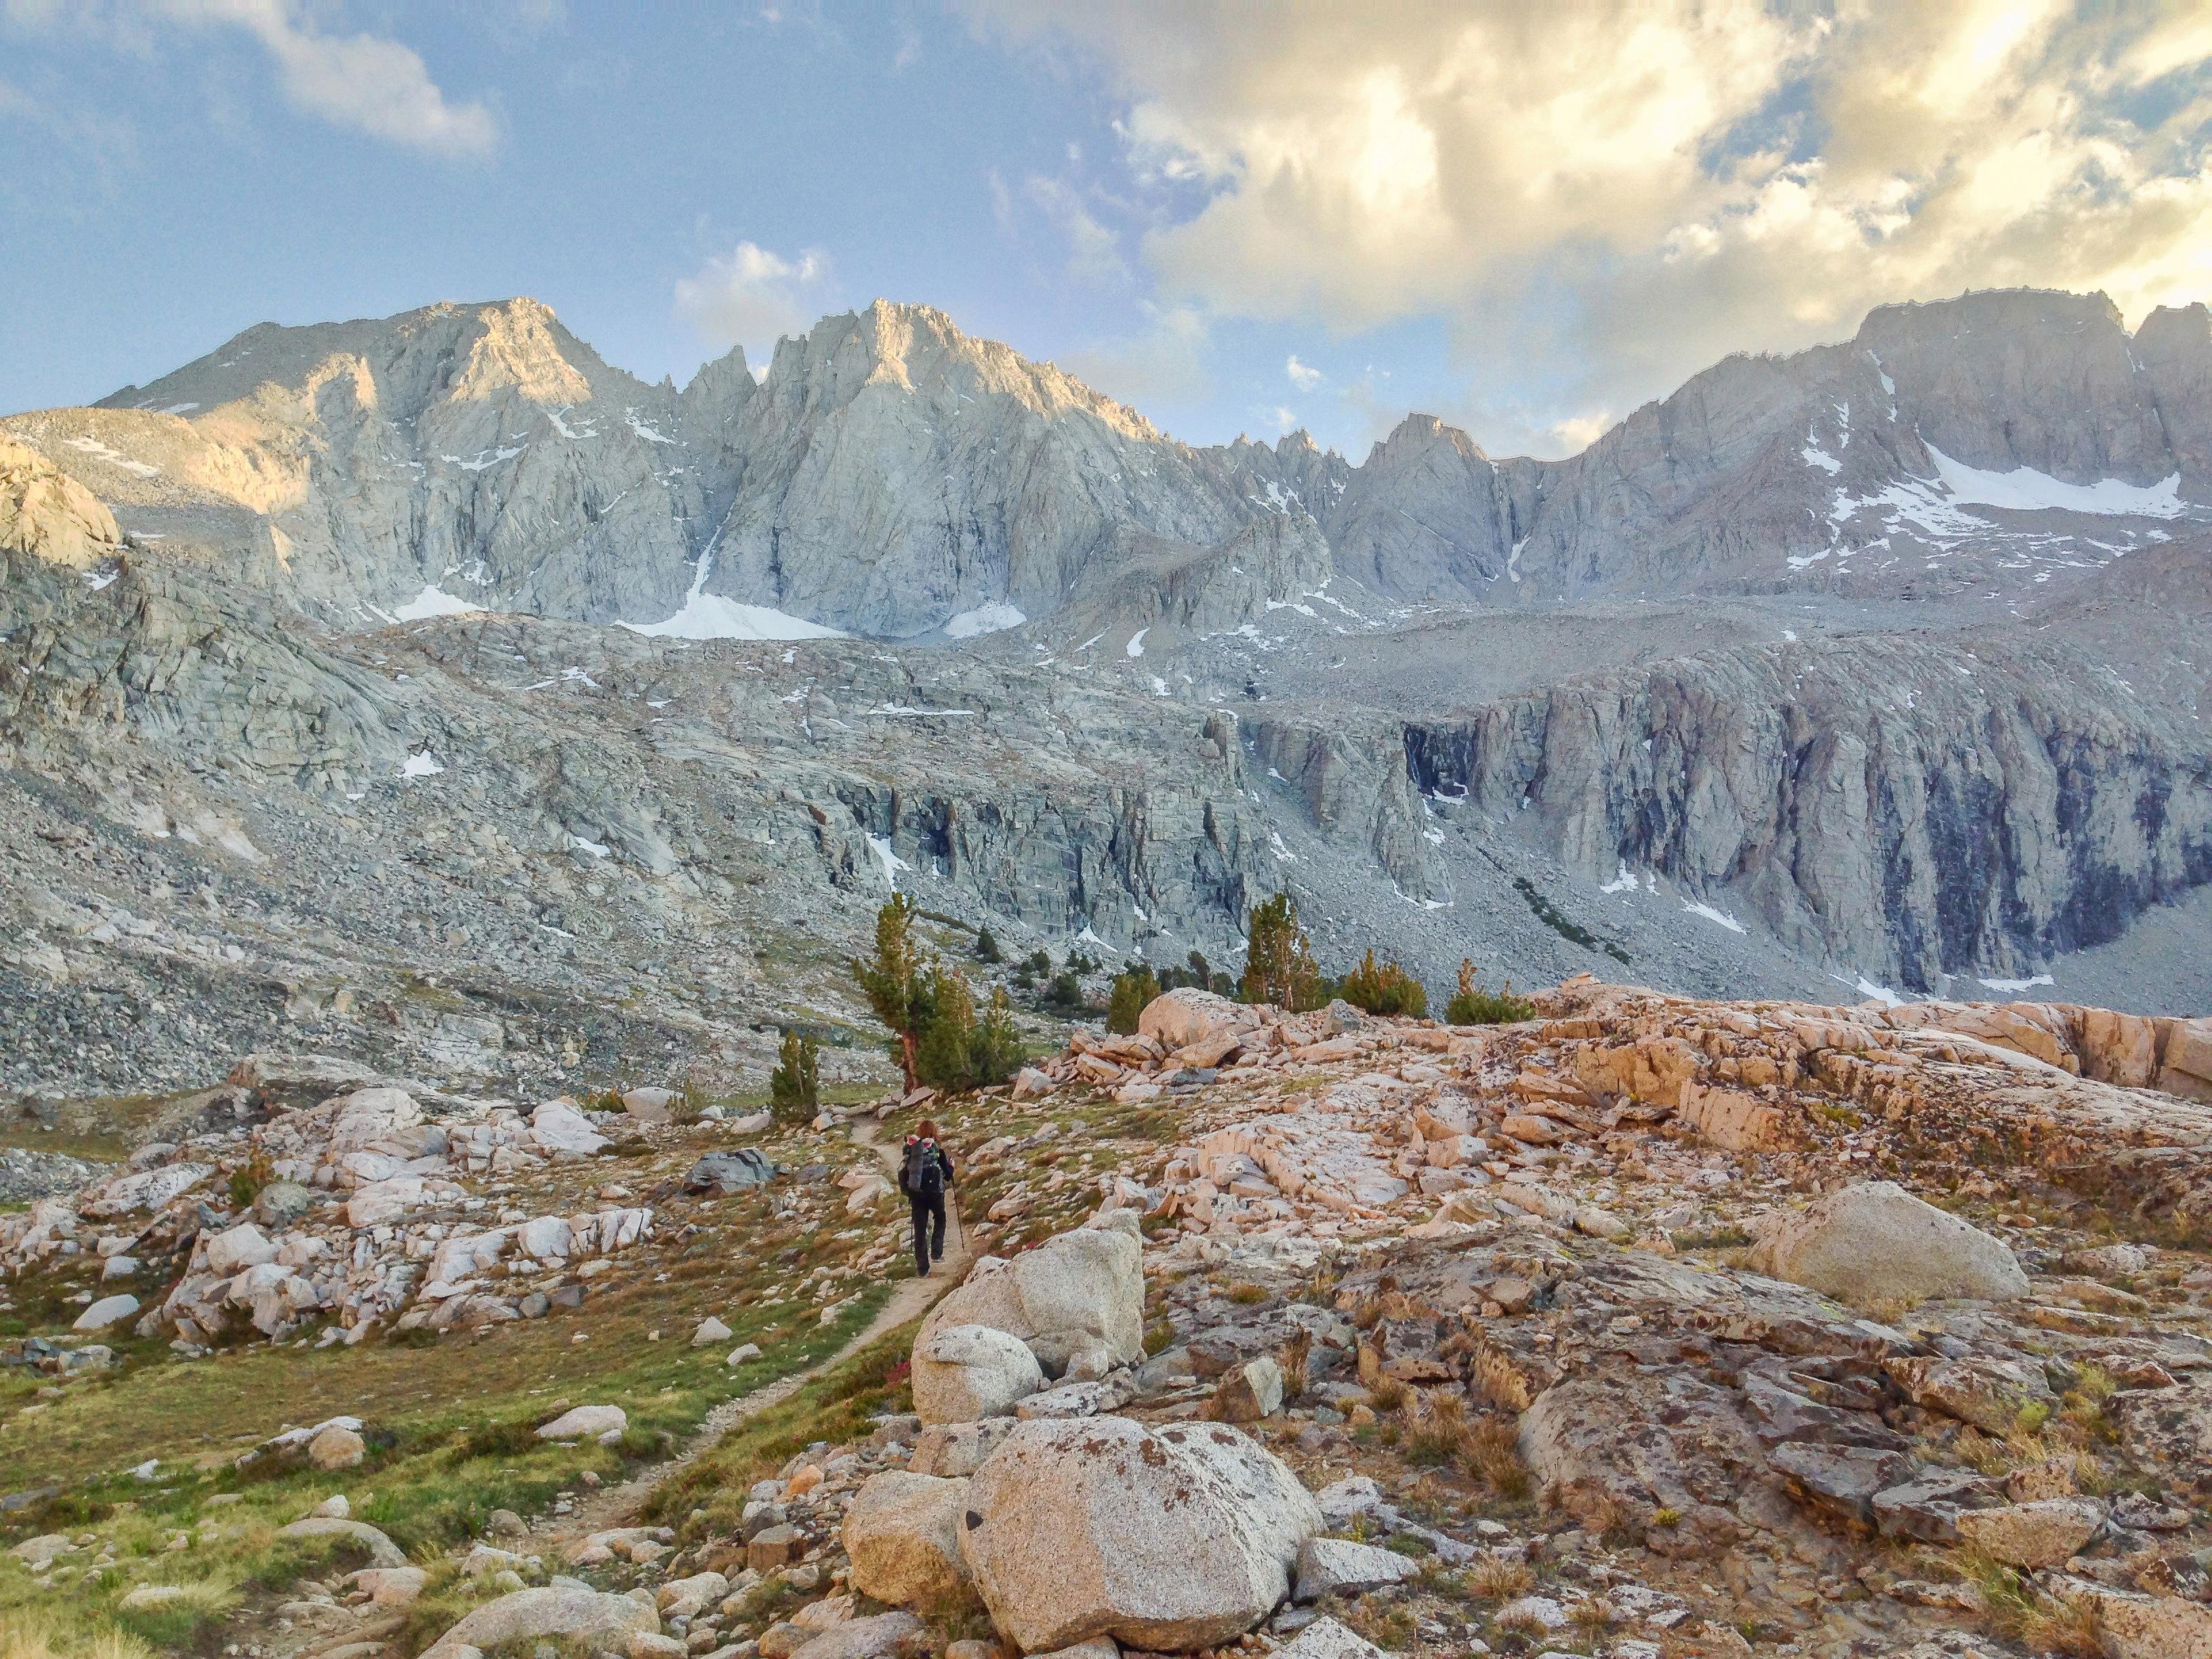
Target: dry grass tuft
<point>1492,1455</point>
<point>1496,1578</point>
<point>26,1634</point>
<point>2065,1625</point>
<point>1388,1393</point>
<point>1296,1358</point>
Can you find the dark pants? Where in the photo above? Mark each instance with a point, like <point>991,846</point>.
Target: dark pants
<point>928,1229</point>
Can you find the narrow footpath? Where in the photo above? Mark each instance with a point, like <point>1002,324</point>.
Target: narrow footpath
<point>619,1505</point>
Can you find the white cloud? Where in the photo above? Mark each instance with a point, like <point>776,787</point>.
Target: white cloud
<point>1094,251</point>
<point>364,81</point>
<point>1283,418</point>
<point>1599,200</point>
<point>1303,375</point>
<point>1163,364</point>
<point>1579,432</point>
<point>752,297</point>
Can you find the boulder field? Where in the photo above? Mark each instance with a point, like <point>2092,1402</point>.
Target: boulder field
<point>1642,1326</point>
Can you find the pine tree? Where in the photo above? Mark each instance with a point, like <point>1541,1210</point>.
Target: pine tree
<point>1473,1005</point>
<point>794,1088</point>
<point>996,1049</point>
<point>1279,964</point>
<point>986,947</point>
<point>1389,989</point>
<point>942,1056</point>
<point>1134,992</point>
<point>896,982</point>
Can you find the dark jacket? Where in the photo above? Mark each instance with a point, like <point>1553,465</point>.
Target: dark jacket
<point>944,1164</point>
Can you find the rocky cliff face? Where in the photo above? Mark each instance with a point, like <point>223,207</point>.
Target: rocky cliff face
<point>1932,807</point>
<point>1515,779</point>
<point>1943,446</point>
<point>452,458</point>
<point>962,475</point>
<point>896,477</point>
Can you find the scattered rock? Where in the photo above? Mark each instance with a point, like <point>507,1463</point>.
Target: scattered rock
<point>391,1587</point>
<point>1874,1241</point>
<point>1326,1638</point>
<point>527,1615</point>
<point>1077,1291</point>
<point>885,1635</point>
<point>731,1171</point>
<point>586,1422</point>
<point>2037,1535</point>
<point>382,1552</point>
<point>336,1448</point>
<point>1329,1565</point>
<point>1168,1538</point>
<point>963,1372</point>
<point>108,1311</point>
<point>902,1537</point>
<point>1250,1391</point>
<point>1188,1015</point>
<point>650,1105</point>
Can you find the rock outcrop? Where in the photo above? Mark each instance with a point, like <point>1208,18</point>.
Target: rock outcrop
<point>1875,1242</point>
<point>1077,1297</point>
<point>1167,1540</point>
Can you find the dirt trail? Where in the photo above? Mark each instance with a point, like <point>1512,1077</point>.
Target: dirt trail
<point>617,1505</point>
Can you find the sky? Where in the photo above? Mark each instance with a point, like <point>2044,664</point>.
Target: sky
<point>1237,217</point>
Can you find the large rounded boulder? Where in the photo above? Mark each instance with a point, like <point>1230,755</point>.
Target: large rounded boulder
<point>1166,1539</point>
<point>903,1536</point>
<point>965,1372</point>
<point>1874,1241</point>
<point>1187,1015</point>
<point>1079,1294</point>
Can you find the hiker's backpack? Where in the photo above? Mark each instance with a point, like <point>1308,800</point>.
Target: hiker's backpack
<point>925,1175</point>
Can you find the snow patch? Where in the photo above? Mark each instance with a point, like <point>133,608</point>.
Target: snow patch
<point>598,849</point>
<point>433,601</point>
<point>114,458</point>
<point>644,429</point>
<point>1816,456</point>
<point>2015,987</point>
<point>1626,882</point>
<point>96,579</point>
<point>1721,917</point>
<point>1872,992</point>
<point>893,863</point>
<point>424,765</point>
<point>710,617</point>
<point>1136,645</point>
<point>983,619</point>
<point>2024,489</point>
<point>485,459</point>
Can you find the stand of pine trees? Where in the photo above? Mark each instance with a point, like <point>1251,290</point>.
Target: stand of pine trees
<point>794,1088</point>
<point>938,1033</point>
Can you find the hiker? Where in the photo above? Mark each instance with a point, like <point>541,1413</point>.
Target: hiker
<point>925,1171</point>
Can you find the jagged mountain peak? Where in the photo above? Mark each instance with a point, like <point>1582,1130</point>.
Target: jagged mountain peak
<point>1417,431</point>
<point>918,350</point>
<point>1988,307</point>
<point>451,350</point>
